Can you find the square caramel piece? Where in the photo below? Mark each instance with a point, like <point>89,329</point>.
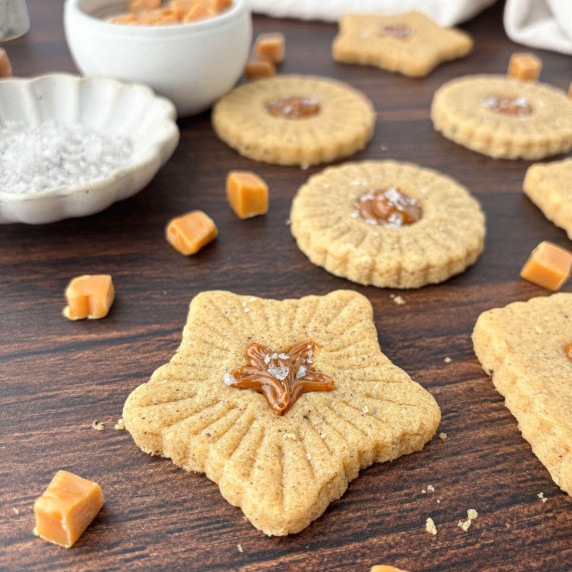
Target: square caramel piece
<point>5,66</point>
<point>526,347</point>
<point>190,232</point>
<point>66,508</point>
<point>280,402</point>
<point>89,296</point>
<point>247,194</point>
<point>270,46</point>
<point>411,43</point>
<point>549,187</point>
<point>548,266</point>
<point>257,69</point>
<point>524,66</point>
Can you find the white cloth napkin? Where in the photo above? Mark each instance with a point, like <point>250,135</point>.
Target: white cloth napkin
<point>444,12</point>
<point>543,24</point>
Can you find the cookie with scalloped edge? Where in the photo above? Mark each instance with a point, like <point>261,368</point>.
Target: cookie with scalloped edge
<point>411,44</point>
<point>217,406</point>
<point>503,117</point>
<point>526,347</point>
<point>549,187</point>
<point>332,227</point>
<point>294,120</point>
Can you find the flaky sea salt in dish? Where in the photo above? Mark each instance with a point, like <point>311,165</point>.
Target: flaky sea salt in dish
<point>72,146</point>
<point>50,156</point>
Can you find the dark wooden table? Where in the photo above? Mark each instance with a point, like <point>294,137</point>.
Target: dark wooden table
<point>57,377</point>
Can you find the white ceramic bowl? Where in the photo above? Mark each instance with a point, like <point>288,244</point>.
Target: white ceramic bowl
<point>192,64</point>
<point>101,104</point>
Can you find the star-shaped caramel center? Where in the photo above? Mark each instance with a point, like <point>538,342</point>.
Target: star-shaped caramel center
<point>281,378</point>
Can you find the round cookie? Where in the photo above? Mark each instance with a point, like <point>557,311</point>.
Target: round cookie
<point>294,120</point>
<point>504,118</point>
<point>334,222</point>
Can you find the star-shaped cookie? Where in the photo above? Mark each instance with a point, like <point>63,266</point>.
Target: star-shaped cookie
<point>549,187</point>
<point>282,468</point>
<point>411,43</point>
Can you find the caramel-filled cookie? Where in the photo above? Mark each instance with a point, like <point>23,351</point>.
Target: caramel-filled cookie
<point>388,224</point>
<point>411,44</point>
<point>503,117</point>
<point>280,402</point>
<point>526,348</point>
<point>549,187</point>
<point>294,120</point>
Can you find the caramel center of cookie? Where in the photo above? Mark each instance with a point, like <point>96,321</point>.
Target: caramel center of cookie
<point>518,106</point>
<point>281,378</point>
<point>568,351</point>
<point>399,31</point>
<point>293,107</point>
<point>389,207</point>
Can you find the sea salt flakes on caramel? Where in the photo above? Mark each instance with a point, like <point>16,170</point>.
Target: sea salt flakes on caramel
<point>247,194</point>
<point>524,67</point>
<point>548,266</point>
<point>190,232</point>
<point>66,508</point>
<point>5,66</point>
<point>89,296</point>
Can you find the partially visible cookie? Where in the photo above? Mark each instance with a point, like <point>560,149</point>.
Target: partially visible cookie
<point>388,224</point>
<point>503,117</point>
<point>527,349</point>
<point>411,44</point>
<point>549,187</point>
<point>280,402</point>
<point>294,120</point>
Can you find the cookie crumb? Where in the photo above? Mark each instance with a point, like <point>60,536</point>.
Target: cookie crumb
<point>16,511</point>
<point>472,514</point>
<point>120,425</point>
<point>442,436</point>
<point>430,526</point>
<point>98,425</point>
<point>438,501</point>
<point>240,549</point>
<point>466,524</point>
<point>447,360</point>
<point>397,300</point>
<point>542,497</point>
<point>384,147</point>
<point>430,489</point>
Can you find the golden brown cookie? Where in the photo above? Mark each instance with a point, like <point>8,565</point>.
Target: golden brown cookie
<point>549,187</point>
<point>503,117</point>
<point>334,222</point>
<point>411,43</point>
<point>294,120</point>
<point>527,349</point>
<point>281,463</point>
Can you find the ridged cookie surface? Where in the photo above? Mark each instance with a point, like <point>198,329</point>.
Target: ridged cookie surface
<point>343,125</point>
<point>522,347</point>
<point>503,117</point>
<point>282,471</point>
<point>328,228</point>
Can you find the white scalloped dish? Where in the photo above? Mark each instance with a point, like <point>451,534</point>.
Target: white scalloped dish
<point>101,104</point>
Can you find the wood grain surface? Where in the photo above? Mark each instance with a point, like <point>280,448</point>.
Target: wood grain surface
<point>57,377</point>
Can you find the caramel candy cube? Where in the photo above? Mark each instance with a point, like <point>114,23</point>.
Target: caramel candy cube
<point>548,266</point>
<point>89,297</point>
<point>385,568</point>
<point>5,67</point>
<point>525,67</point>
<point>181,7</point>
<point>66,508</point>
<point>190,232</point>
<point>247,194</point>
<point>270,47</point>
<point>199,12</point>
<point>256,69</point>
<point>140,5</point>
